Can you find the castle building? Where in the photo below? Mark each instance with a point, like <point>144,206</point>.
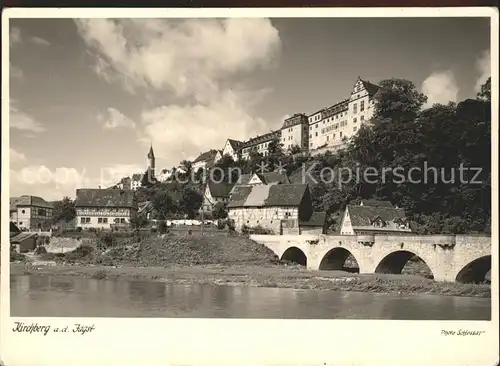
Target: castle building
<point>295,132</point>
<point>259,144</point>
<point>331,127</point>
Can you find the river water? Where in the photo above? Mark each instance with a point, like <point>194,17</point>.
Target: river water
<point>41,296</point>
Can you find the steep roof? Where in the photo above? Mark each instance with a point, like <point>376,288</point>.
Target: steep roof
<point>118,198</point>
<point>363,216</point>
<point>235,144</point>
<point>151,153</point>
<point>316,219</point>
<point>262,138</point>
<point>219,190</point>
<point>22,236</point>
<point>14,230</point>
<point>206,156</point>
<point>375,203</point>
<point>26,200</point>
<point>370,88</point>
<point>267,195</point>
<point>296,119</point>
<point>274,177</point>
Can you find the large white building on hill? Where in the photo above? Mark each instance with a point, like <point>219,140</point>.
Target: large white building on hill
<point>327,129</point>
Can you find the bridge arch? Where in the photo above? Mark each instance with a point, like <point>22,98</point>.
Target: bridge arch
<point>394,263</point>
<point>294,254</point>
<point>475,271</point>
<point>336,258</point>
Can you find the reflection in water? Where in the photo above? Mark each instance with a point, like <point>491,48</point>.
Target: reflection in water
<point>84,297</point>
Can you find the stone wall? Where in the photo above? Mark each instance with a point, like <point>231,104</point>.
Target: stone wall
<point>266,217</point>
<point>58,244</point>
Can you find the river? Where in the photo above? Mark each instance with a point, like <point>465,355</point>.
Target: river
<point>50,296</point>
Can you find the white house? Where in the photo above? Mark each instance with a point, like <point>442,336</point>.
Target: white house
<point>103,208</point>
<point>206,160</point>
<point>374,217</point>
<point>215,193</point>
<point>295,132</point>
<point>30,212</point>
<point>232,148</point>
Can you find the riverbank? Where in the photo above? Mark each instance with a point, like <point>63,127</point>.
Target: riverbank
<point>261,275</point>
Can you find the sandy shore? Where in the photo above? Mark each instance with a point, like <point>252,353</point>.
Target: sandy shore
<point>263,276</point>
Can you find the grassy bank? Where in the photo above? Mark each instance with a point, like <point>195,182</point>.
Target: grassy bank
<point>222,259</point>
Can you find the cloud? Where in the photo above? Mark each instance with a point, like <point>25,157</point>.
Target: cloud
<point>115,119</point>
<point>54,184</point>
<point>16,157</point>
<point>16,72</point>
<point>183,55</point>
<point>440,87</point>
<point>112,174</point>
<point>50,184</point>
<point>20,120</point>
<point>483,67</point>
<point>15,36</point>
<point>185,131</point>
<point>40,41</point>
<point>196,64</point>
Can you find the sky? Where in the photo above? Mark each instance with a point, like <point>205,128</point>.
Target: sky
<point>89,96</point>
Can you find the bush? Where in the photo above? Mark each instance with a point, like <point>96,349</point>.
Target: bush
<point>221,224</point>
<point>16,257</point>
<point>107,239</point>
<point>47,240</point>
<point>162,227</point>
<point>79,229</point>
<point>40,250</point>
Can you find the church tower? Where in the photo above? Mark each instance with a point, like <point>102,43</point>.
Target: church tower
<point>151,162</point>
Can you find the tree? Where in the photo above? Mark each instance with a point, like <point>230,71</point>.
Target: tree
<point>398,100</point>
<point>163,204</point>
<point>138,222</point>
<point>148,180</point>
<point>191,201</point>
<point>219,211</point>
<point>64,210</point>
<point>275,147</point>
<point>295,149</point>
<point>485,92</point>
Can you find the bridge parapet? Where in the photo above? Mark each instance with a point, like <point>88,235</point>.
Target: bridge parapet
<point>445,255</point>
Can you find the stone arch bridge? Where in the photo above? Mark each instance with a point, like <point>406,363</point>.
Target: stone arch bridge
<point>461,258</point>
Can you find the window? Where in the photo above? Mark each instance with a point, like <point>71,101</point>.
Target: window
<point>362,106</point>
<point>311,144</point>
<point>117,220</point>
<point>355,120</point>
<point>354,128</point>
<point>82,220</point>
<point>310,127</point>
<point>327,138</point>
<point>362,118</point>
<point>322,130</point>
<point>310,136</point>
<point>316,134</point>
<point>340,134</point>
<point>23,211</point>
<point>355,108</point>
<point>42,212</point>
<point>99,220</point>
<point>316,126</point>
<point>122,221</point>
